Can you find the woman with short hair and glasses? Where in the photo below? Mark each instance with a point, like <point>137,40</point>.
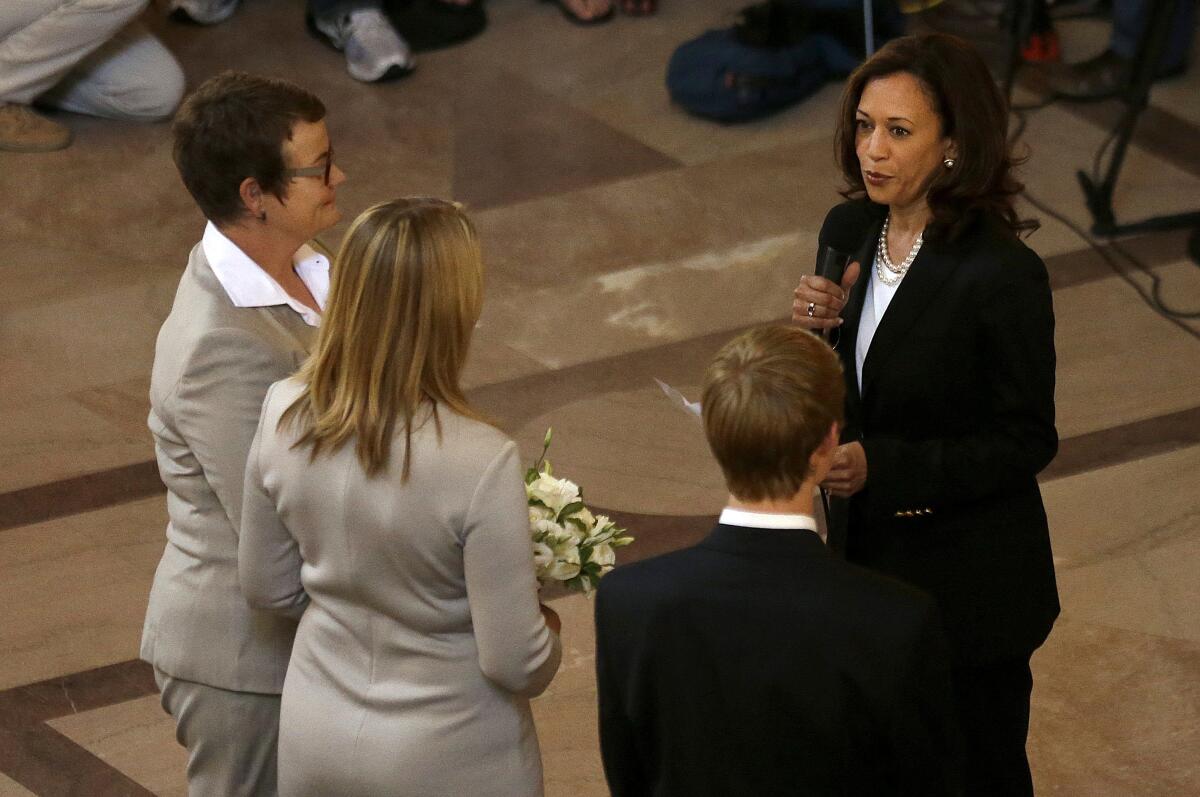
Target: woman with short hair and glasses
<point>255,155</point>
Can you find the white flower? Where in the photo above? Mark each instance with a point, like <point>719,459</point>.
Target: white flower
<point>575,534</point>
<point>543,555</point>
<point>603,555</point>
<point>548,531</point>
<point>566,563</point>
<point>589,520</point>
<point>537,512</point>
<point>554,493</point>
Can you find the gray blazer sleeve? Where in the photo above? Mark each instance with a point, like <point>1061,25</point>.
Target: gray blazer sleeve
<point>218,401</point>
<point>268,555</point>
<point>516,648</point>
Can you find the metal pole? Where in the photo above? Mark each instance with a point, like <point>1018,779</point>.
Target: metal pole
<point>869,26</point>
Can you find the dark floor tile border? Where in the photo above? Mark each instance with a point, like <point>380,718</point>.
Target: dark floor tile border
<point>1125,443</point>
<point>1159,132</point>
<point>79,494</point>
<point>516,401</point>
<point>1153,250</point>
<point>45,761</point>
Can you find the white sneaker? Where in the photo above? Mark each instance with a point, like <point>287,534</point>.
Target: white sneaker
<point>374,50</point>
<point>202,12</point>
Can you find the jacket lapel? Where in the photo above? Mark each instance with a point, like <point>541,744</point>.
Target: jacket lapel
<point>852,315</point>
<point>280,317</point>
<point>292,326</point>
<point>920,286</point>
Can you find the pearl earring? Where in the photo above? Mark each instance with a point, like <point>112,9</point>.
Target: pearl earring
<point>948,163</point>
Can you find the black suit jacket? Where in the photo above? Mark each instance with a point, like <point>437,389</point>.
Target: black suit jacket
<point>757,663</point>
<point>956,416</point>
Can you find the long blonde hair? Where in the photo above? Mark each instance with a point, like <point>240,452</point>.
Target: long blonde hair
<point>407,288</point>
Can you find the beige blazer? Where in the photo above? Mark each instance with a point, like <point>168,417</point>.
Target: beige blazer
<point>212,365</point>
<point>422,643</point>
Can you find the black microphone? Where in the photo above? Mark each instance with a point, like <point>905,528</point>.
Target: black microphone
<point>840,239</point>
<point>831,263</point>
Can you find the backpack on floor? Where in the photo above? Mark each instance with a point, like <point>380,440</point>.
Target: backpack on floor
<point>779,53</point>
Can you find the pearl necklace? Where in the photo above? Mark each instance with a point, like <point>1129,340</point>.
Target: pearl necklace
<point>888,272</point>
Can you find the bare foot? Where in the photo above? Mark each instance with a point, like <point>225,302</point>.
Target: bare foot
<point>587,10</point>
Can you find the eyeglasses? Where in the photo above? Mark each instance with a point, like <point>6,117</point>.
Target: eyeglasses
<point>313,171</point>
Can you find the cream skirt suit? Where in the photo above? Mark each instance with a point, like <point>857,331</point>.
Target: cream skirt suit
<point>422,642</point>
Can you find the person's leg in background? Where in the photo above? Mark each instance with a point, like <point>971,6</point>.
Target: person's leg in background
<point>132,76</point>
<point>1108,73</point>
<point>41,41</point>
<point>360,29</point>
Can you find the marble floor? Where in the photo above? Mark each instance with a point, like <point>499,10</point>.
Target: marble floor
<point>625,242</point>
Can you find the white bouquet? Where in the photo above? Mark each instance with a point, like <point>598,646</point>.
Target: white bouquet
<point>570,544</point>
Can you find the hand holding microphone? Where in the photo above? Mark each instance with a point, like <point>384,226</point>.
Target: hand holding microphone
<point>819,300</point>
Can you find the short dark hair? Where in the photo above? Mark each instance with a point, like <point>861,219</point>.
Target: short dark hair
<point>972,112</point>
<point>770,397</point>
<point>233,127</point>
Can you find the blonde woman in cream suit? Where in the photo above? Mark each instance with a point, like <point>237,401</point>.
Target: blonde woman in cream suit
<point>375,495</point>
<point>255,154</point>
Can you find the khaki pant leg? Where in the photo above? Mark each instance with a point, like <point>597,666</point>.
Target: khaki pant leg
<point>232,738</point>
<point>42,40</point>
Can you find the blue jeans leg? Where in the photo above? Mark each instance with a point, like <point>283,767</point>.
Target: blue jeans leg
<point>1130,18</point>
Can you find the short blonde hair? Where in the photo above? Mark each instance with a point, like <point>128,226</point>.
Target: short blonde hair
<point>770,398</point>
<point>405,294</point>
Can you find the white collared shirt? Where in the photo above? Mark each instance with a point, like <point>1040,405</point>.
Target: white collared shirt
<point>766,520</point>
<point>247,285</point>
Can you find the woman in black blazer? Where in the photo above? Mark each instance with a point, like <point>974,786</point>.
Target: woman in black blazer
<point>945,328</point>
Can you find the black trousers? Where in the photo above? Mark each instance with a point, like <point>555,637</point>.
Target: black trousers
<point>992,701</point>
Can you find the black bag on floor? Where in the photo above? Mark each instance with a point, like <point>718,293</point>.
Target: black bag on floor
<point>431,24</point>
<point>779,53</point>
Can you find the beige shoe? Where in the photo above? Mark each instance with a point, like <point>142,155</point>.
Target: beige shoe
<point>22,130</point>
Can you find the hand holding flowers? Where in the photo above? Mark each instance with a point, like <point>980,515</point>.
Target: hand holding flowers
<point>570,544</point>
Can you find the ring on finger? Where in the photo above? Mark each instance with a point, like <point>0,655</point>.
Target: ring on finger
<point>812,308</point>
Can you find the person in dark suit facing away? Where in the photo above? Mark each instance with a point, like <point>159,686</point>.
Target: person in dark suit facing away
<point>757,662</point>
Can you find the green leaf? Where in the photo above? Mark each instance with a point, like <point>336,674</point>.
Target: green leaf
<point>569,509</point>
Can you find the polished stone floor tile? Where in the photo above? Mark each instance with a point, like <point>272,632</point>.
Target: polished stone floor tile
<point>514,142</point>
<point>91,576</point>
<point>10,788</point>
<point>1063,144</point>
<point>635,451</point>
<point>625,241</point>
<point>1127,542</point>
<point>1115,713</point>
<point>137,738</point>
<point>1118,361</point>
